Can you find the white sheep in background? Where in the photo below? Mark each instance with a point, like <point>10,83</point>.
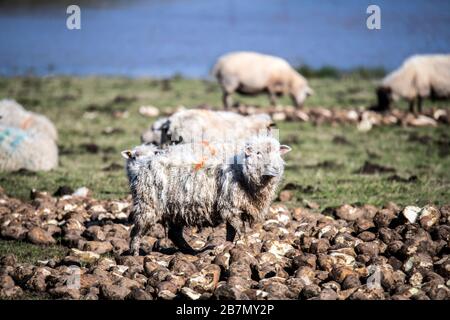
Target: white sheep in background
<point>20,149</point>
<point>14,115</point>
<point>419,77</point>
<point>251,73</point>
<point>197,125</point>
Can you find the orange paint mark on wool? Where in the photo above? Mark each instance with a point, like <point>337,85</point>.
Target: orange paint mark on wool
<point>26,123</point>
<point>211,149</point>
<point>200,164</point>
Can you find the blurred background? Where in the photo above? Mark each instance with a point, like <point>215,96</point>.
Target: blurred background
<point>170,37</point>
<point>136,55</point>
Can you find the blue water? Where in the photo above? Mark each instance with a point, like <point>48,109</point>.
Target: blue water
<point>163,38</point>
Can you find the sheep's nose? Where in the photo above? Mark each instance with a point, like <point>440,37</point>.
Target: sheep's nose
<point>271,172</point>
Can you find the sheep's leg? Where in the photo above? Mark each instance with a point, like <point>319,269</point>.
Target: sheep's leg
<point>235,226</point>
<point>272,98</point>
<point>419,104</point>
<point>141,224</point>
<point>231,232</point>
<point>411,106</point>
<point>136,236</point>
<point>176,236</point>
<point>229,85</point>
<point>139,229</point>
<point>227,100</point>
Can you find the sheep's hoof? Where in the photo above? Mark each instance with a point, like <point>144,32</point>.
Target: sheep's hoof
<point>206,248</point>
<point>130,253</point>
<point>194,252</point>
<point>190,251</point>
<point>134,253</point>
<point>378,108</point>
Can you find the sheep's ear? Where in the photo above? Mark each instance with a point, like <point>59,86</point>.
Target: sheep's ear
<point>284,149</point>
<point>126,154</point>
<point>309,91</point>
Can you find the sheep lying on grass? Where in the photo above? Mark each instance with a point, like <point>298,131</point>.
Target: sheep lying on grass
<point>197,125</point>
<point>13,114</point>
<point>251,73</point>
<point>203,185</point>
<point>419,77</point>
<point>20,149</point>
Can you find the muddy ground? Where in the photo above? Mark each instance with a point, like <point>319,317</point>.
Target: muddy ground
<point>347,252</point>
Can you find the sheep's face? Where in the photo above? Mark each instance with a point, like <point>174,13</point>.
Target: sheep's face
<point>140,151</point>
<point>300,95</point>
<point>262,160</point>
<point>135,157</point>
<point>155,133</point>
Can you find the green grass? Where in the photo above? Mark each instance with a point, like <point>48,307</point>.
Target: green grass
<point>69,101</point>
<point>332,170</point>
<point>30,253</point>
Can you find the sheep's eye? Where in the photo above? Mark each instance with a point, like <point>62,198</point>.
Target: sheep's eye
<point>258,153</point>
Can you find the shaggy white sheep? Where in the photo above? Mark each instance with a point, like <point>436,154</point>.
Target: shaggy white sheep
<point>251,73</point>
<point>203,185</point>
<point>419,77</point>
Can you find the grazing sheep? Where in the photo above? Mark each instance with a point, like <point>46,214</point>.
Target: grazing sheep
<point>20,149</point>
<point>14,115</point>
<point>203,185</point>
<point>252,73</point>
<point>419,77</point>
<point>197,125</point>
<point>155,133</point>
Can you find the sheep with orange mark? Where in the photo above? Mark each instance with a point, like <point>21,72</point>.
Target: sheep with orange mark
<point>203,185</point>
<point>195,125</point>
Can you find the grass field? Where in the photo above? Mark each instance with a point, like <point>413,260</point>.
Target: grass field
<point>324,166</point>
<point>324,163</point>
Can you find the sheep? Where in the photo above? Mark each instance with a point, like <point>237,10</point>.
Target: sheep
<point>251,73</point>
<point>419,77</point>
<point>196,125</point>
<point>203,185</point>
<point>155,133</point>
<point>134,157</point>
<point>14,115</point>
<point>20,149</point>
